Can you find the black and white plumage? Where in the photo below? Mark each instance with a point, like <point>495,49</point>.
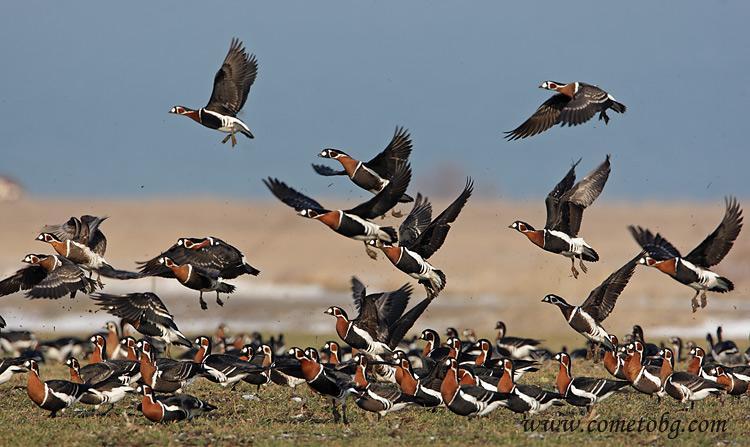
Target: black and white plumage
<point>685,386</point>
<point>468,400</point>
<point>693,269</point>
<point>207,253</point>
<point>85,256</point>
<point>573,104</point>
<point>586,319</point>
<point>48,276</point>
<point>231,88</point>
<point>222,368</point>
<point>52,395</point>
<point>200,279</point>
<point>11,366</point>
<point>420,238</point>
<point>583,391</point>
<point>381,322</point>
<point>380,398</point>
<point>354,223</point>
<point>565,205</point>
<point>84,230</point>
<point>107,391</point>
<point>375,174</point>
<point>326,381</point>
<point>171,408</point>
<point>165,375</point>
<point>517,347</point>
<point>533,398</point>
<point>146,312</point>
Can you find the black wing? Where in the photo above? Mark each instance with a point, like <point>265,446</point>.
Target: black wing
<point>602,300</point>
<point>407,320</point>
<point>135,307</point>
<point>70,230</point>
<point>386,199</point>
<point>580,196</point>
<point>94,238</point>
<point>546,116</point>
<point>23,279</point>
<point>415,223</point>
<point>713,249</point>
<point>66,279</point>
<point>358,294</point>
<point>397,151</point>
<point>2,322</point>
<point>292,197</point>
<point>391,305</point>
<point>233,80</point>
<point>585,104</point>
<point>325,170</point>
<point>435,233</point>
<point>656,246</point>
<point>552,201</point>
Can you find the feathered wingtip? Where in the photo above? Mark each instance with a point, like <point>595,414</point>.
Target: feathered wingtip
<point>225,288</point>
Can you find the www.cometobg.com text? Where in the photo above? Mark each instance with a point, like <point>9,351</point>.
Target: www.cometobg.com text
<point>663,424</point>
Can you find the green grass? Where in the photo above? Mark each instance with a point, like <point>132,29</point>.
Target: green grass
<point>276,419</point>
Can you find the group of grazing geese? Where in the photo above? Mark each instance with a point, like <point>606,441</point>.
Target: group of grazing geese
<point>381,369</point>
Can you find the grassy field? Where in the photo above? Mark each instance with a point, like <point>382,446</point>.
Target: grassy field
<point>274,418</point>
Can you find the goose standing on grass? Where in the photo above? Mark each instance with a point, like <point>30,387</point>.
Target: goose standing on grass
<point>693,269</point>
<point>574,104</point>
<point>231,87</point>
<point>52,395</point>
<point>565,205</point>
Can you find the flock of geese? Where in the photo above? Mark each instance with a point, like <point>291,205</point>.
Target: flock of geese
<point>377,365</point>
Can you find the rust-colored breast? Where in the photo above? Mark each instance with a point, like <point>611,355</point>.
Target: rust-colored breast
<point>466,378</point>
<point>563,380</point>
<point>74,376</point>
<point>182,273</point>
<point>152,410</point>
<point>331,219</point>
<point>694,366</point>
<point>567,89</point>
<point>631,368</point>
<point>536,236</point>
<point>148,371</point>
<point>342,327</point>
<point>406,382</point>
<point>349,164</point>
<point>200,354</point>
<point>309,368</point>
<point>392,253</point>
<point>666,370</point>
<point>35,388</point>
<point>669,266</point>
<point>194,115</point>
<point>60,247</point>
<point>505,384</point>
<point>96,356</point>
<point>610,362</point>
<point>113,343</point>
<point>49,263</point>
<point>359,377</point>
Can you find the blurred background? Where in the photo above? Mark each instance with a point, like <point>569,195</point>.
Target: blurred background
<point>85,129</point>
